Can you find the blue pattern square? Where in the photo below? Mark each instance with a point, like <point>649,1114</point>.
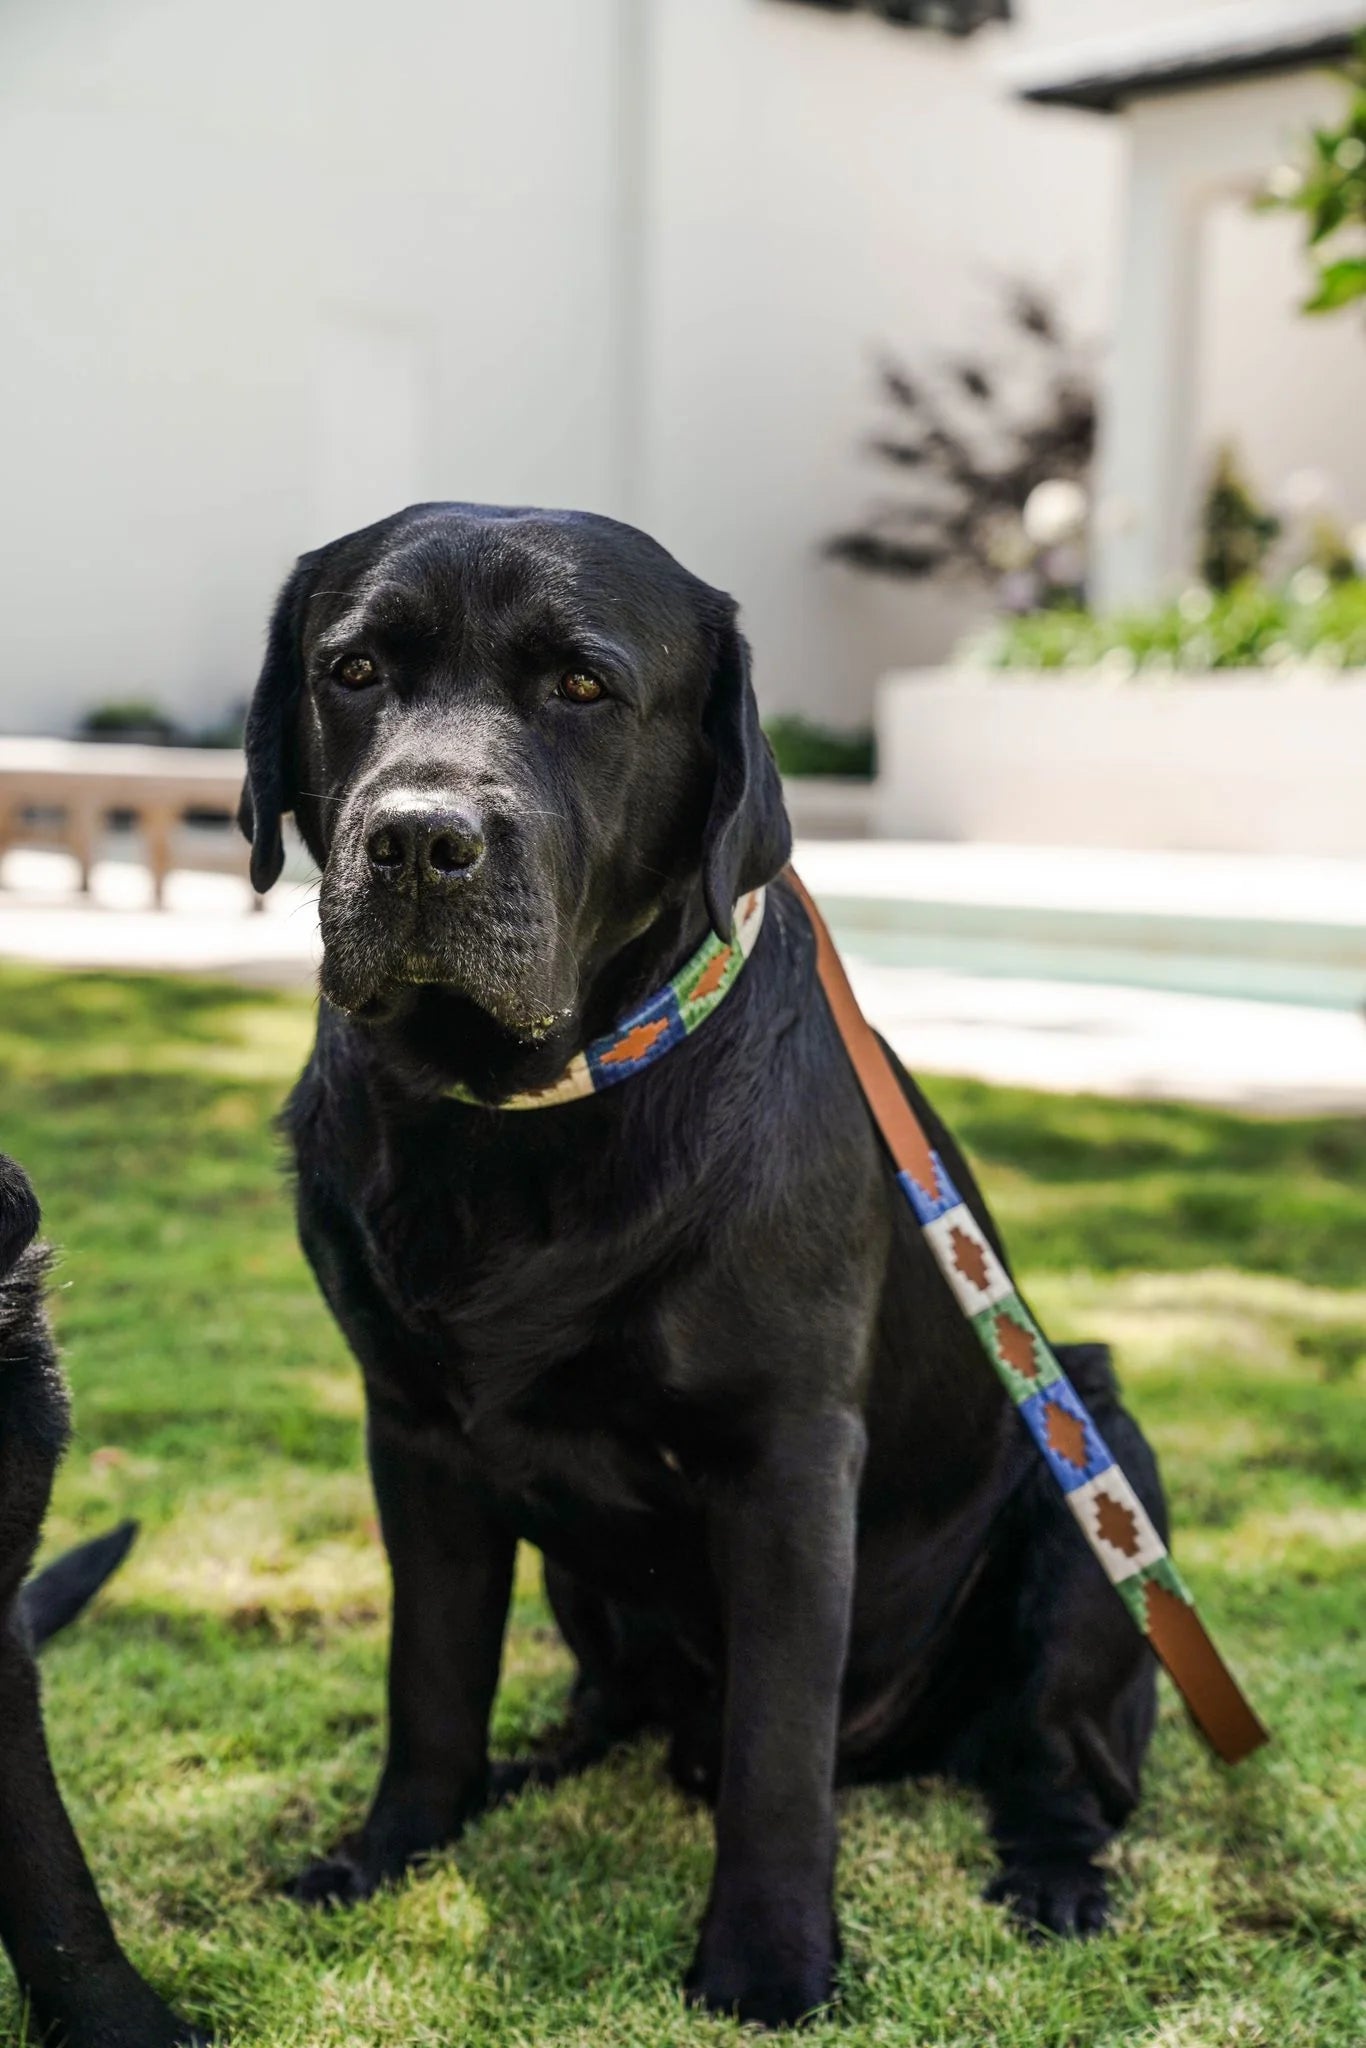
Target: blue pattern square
<point>660,1025</point>
<point>928,1204</point>
<point>1079,1428</point>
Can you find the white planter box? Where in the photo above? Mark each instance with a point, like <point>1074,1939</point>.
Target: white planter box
<point>1234,762</point>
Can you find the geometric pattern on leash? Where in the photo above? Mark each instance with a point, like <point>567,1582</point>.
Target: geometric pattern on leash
<point>1107,1510</point>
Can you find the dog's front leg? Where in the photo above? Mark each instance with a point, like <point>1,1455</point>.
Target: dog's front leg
<point>783,1542</point>
<point>452,1563</point>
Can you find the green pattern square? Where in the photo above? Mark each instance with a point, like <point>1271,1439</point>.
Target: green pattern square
<point>1007,1331</point>
<point>712,970</point>
<point>1131,1592</point>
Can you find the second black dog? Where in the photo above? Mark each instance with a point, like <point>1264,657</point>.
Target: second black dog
<point>82,1988</point>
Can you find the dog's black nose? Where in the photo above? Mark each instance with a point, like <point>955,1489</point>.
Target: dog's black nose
<point>427,848</point>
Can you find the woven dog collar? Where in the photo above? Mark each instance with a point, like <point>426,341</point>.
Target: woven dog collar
<point>1108,1511</point>
<point>656,1025</point>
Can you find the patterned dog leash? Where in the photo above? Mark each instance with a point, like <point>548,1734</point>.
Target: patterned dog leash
<point>1111,1516</point>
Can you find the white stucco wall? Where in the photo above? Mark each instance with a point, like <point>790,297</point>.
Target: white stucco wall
<point>1290,391</point>
<point>1071,20</point>
<point>265,272</point>
<point>1208,343</point>
<point>268,271</point>
<point>824,188</point>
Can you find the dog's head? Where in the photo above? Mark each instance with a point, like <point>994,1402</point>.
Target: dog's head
<point>513,741</point>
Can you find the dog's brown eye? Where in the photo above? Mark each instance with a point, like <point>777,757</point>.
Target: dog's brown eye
<point>580,688</point>
<point>356,671</point>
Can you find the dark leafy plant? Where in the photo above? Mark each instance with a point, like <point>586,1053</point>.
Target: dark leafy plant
<point>802,747</point>
<point>1236,533</point>
<point>1329,189</point>
<point>144,720</point>
<point>133,718</point>
<point>971,456</point>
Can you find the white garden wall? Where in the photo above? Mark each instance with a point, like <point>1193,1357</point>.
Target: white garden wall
<point>1232,762</point>
<point>266,270</point>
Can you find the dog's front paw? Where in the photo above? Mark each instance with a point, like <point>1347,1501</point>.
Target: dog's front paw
<point>108,2030</point>
<point>342,1879</point>
<point>1068,1899</point>
<point>112,2009</point>
<point>753,1969</point>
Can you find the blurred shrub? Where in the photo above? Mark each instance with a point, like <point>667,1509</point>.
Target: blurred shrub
<point>134,718</point>
<point>1236,531</point>
<point>144,720</point>
<point>1329,189</point>
<point>991,454</point>
<point>1311,621</point>
<point>801,747</point>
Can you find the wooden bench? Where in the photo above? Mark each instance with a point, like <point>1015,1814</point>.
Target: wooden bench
<point>61,793</point>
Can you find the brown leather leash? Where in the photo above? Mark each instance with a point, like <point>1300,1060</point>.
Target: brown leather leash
<point>1107,1509</point>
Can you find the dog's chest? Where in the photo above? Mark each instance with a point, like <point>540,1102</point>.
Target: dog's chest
<point>553,1357</point>
<point>596,1468</point>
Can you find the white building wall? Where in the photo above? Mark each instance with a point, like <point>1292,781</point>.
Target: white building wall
<point>1290,392</point>
<point>265,272</point>
<point>824,188</point>
<point>1065,21</point>
<point>1209,344</point>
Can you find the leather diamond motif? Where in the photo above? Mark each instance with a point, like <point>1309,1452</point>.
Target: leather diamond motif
<point>1016,1346</point>
<point>1116,1524</point>
<point>1066,1436</point>
<point>969,1258</point>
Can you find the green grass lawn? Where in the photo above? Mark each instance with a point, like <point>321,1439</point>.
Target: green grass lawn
<point>218,1715</point>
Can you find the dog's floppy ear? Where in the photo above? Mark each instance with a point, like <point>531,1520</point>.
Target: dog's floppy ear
<point>269,790</point>
<point>747,840</point>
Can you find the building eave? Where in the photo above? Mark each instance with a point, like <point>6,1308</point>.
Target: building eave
<point>1104,75</point>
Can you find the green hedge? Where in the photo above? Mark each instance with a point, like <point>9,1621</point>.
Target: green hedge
<point>1250,626</point>
<point>801,747</point>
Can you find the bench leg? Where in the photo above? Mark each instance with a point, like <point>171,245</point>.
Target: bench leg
<point>157,826</point>
<point>82,827</point>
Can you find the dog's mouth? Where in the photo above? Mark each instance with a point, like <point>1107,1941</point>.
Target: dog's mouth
<point>428,969</point>
<point>379,958</point>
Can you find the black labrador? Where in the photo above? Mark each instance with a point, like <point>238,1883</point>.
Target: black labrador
<point>682,1335</point>
<point>82,1988</point>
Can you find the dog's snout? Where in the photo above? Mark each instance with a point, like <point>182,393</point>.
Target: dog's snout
<point>425,847</point>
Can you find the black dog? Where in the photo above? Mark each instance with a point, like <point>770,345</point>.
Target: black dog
<point>81,1985</point>
<point>682,1334</point>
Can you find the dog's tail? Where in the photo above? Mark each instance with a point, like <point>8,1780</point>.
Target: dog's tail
<point>58,1594</point>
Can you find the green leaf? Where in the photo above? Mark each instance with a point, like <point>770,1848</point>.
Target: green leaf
<point>1339,284</point>
<point>1328,215</point>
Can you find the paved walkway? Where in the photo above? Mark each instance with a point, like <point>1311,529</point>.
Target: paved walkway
<point>1252,888</point>
<point>207,927</point>
<point>1035,1030</point>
